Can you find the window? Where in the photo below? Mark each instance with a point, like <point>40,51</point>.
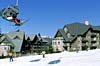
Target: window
<point>58,43</point>
<point>94,39</point>
<point>55,43</point>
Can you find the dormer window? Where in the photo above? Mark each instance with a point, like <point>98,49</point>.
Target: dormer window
<point>68,35</point>
<point>16,37</point>
<point>65,29</point>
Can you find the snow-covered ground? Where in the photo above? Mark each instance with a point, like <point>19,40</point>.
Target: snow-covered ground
<point>83,58</point>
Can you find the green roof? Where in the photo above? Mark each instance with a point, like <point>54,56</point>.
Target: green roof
<point>80,28</point>
<point>12,35</point>
<point>17,39</point>
<point>17,45</point>
<point>77,28</point>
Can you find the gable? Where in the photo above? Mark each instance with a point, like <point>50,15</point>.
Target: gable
<point>30,37</point>
<point>5,40</point>
<point>36,39</point>
<point>58,34</point>
<point>61,33</point>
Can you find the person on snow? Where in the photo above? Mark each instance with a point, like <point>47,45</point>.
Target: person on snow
<point>11,56</point>
<point>43,53</point>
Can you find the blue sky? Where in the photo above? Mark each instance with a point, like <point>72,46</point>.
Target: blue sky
<point>47,16</point>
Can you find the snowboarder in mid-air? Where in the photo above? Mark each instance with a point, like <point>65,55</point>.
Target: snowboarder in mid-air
<point>10,13</point>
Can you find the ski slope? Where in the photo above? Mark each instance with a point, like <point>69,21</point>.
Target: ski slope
<point>83,58</point>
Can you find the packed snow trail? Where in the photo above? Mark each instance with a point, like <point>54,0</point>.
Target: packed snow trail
<point>83,58</point>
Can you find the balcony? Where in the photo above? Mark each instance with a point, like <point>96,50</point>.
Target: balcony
<point>93,35</point>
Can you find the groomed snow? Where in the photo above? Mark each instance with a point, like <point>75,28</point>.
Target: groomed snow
<point>83,58</point>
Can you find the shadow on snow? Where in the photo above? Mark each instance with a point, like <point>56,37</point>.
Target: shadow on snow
<point>36,60</point>
<point>54,62</point>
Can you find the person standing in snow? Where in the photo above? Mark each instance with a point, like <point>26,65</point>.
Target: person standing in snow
<point>11,56</point>
<point>43,53</point>
<point>77,50</point>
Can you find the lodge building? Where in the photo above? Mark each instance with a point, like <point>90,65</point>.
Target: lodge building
<point>76,36</point>
<point>81,36</point>
<point>21,43</point>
